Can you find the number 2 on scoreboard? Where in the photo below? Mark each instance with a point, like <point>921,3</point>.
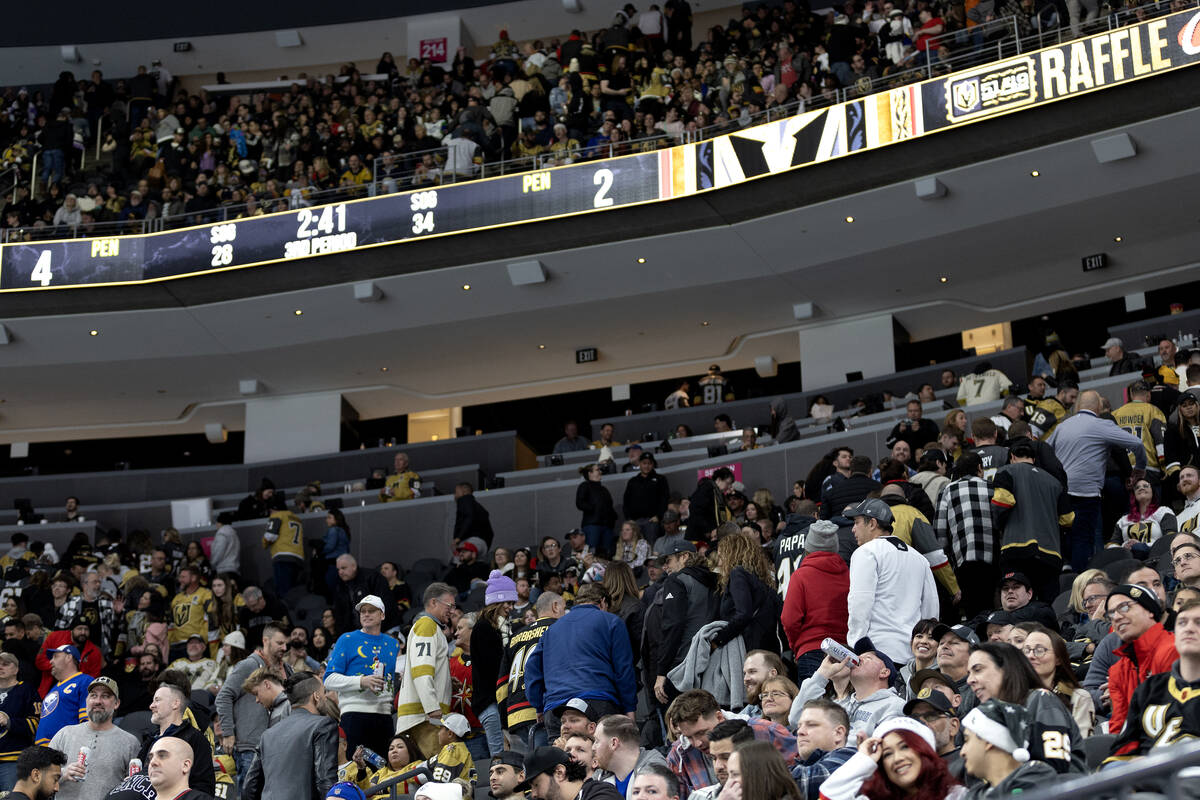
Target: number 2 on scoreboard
<point>41,270</point>
<point>604,179</point>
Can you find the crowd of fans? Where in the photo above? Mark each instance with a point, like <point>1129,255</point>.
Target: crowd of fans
<point>642,83</point>
<point>1000,604</point>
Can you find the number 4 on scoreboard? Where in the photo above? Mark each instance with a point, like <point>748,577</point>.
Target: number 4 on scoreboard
<point>41,270</point>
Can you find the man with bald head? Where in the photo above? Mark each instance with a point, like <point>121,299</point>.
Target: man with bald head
<point>354,583</point>
<point>170,767</point>
<point>1081,442</point>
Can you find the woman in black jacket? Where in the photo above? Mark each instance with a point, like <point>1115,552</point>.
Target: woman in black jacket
<point>489,638</point>
<point>1182,440</point>
<point>599,516</point>
<point>749,602</point>
<point>707,506</point>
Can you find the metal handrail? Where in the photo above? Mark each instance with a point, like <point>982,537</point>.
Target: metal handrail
<point>91,229</point>
<point>1004,48</point>
<point>1163,765</point>
<point>15,173</point>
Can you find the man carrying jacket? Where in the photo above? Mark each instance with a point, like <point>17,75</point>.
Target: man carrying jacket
<point>688,603</point>
<point>298,761</point>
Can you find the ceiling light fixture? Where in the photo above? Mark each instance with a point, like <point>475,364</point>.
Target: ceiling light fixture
<point>943,279</point>
<point>466,287</point>
<point>849,219</point>
<point>641,261</point>
<point>93,333</point>
<point>298,312</point>
<point>383,369</point>
<point>1118,239</point>
<point>541,347</point>
<point>1034,174</point>
<point>703,324</point>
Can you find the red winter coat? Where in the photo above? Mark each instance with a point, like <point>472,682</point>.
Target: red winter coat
<point>1149,654</point>
<point>815,604</point>
<point>93,660</point>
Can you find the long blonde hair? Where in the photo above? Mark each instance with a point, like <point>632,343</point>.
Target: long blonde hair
<point>737,550</point>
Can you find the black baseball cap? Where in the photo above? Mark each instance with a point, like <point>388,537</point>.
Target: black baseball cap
<point>581,706</point>
<point>920,676</point>
<point>510,757</point>
<point>542,759</point>
<point>931,697</point>
<point>682,547</point>
<point>1018,577</point>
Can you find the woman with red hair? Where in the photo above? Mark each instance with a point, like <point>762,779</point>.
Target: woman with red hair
<point>1146,522</point>
<point>898,762</point>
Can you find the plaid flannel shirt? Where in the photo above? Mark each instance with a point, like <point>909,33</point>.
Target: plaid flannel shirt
<point>964,521</point>
<point>108,620</point>
<point>694,769</point>
<point>813,771</point>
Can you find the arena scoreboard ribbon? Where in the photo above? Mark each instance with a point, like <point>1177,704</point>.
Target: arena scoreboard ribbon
<point>888,117</point>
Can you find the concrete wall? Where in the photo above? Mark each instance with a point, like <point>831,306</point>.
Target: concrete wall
<point>292,427</point>
<point>493,452</point>
<point>828,352</point>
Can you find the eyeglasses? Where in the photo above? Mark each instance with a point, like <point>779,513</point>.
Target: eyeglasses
<point>775,694</point>
<point>450,605</point>
<point>1180,560</point>
<point>929,717</point>
<point>1088,602</point>
<point>1122,609</point>
<point>1036,652</point>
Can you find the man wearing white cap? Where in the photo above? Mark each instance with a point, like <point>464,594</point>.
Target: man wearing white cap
<point>361,670</point>
<point>996,750</point>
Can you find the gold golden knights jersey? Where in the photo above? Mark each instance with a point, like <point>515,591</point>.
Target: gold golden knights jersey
<point>284,537</point>
<point>1147,423</point>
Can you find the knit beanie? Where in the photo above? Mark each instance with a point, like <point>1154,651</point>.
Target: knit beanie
<point>500,589</point>
<point>821,537</point>
<point>1001,724</point>
<point>1146,598</point>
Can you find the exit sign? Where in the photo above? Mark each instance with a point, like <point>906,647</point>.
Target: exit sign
<point>1094,262</point>
<point>585,355</point>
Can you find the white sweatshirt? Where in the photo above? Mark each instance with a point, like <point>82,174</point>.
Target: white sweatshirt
<point>891,588</point>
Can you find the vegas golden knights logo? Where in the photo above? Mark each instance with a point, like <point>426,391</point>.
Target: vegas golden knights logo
<point>966,96</point>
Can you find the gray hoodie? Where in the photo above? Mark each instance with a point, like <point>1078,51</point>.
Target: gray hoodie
<point>864,714</point>
<point>783,427</point>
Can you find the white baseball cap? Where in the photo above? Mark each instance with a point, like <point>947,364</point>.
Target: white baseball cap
<point>370,600</point>
<point>456,723</point>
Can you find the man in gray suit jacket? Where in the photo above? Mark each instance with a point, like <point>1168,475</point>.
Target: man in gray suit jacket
<point>298,761</point>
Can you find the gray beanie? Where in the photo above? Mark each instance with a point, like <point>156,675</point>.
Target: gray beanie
<point>822,537</point>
